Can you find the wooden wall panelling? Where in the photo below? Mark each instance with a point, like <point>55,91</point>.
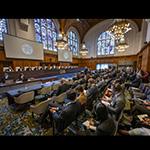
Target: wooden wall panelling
<point>2,55</point>
<point>143,58</point>
<point>148,65</point>
<point>91,62</point>
<point>1,67</point>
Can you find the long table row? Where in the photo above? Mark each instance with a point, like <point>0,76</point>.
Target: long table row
<point>40,73</point>
<point>4,88</point>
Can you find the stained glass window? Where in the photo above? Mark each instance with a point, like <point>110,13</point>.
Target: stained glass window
<point>46,33</point>
<point>73,42</point>
<point>3,28</point>
<point>105,44</point>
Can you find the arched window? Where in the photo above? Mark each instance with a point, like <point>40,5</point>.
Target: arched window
<point>73,42</point>
<point>46,33</point>
<point>105,44</point>
<point>3,28</point>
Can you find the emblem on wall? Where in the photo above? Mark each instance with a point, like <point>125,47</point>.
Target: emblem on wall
<point>27,49</point>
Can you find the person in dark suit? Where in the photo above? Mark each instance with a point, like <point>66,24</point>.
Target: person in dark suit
<point>92,95</point>
<point>22,77</point>
<point>5,77</point>
<point>93,90</point>
<point>65,114</point>
<point>103,124</point>
<point>118,101</point>
<point>74,84</point>
<point>62,88</point>
<point>85,70</point>
<point>71,95</point>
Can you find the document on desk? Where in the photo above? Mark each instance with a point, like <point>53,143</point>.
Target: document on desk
<point>87,124</point>
<point>142,116</point>
<point>19,81</point>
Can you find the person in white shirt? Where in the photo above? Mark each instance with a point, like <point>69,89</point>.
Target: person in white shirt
<point>136,132</point>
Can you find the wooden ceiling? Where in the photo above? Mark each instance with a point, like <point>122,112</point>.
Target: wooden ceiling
<point>83,25</point>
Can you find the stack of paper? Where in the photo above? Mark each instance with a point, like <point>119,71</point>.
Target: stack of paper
<point>142,116</point>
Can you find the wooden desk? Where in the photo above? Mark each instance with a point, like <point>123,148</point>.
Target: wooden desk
<point>40,73</point>
<point>16,92</point>
<point>6,87</point>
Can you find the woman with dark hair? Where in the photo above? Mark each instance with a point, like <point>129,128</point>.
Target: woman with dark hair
<point>103,123</point>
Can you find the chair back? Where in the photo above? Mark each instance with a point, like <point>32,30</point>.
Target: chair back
<point>25,97</point>
<point>55,86</point>
<point>40,107</point>
<point>69,115</point>
<point>60,98</point>
<point>44,90</point>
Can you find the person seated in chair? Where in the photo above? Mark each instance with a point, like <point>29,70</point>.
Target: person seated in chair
<point>5,77</point>
<point>71,108</point>
<point>74,84</point>
<point>136,81</point>
<point>82,98</point>
<point>109,93</point>
<point>86,70</point>
<point>103,124</point>
<point>117,103</point>
<point>92,88</point>
<point>140,107</point>
<point>62,88</point>
<point>21,77</point>
<point>100,82</point>
<point>71,95</point>
<point>136,132</point>
<point>10,69</point>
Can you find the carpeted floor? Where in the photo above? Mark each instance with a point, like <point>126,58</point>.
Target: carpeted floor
<point>19,123</point>
<point>22,123</point>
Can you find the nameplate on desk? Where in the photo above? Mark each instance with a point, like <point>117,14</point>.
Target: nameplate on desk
<point>19,81</point>
<point>31,79</point>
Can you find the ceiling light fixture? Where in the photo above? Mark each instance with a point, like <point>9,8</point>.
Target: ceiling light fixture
<point>61,41</point>
<point>119,28</point>
<point>121,45</point>
<point>83,50</point>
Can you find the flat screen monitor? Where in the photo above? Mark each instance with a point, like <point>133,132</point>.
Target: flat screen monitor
<point>20,48</point>
<point>64,56</point>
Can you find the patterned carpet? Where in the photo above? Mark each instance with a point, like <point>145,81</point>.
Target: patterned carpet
<point>19,123</point>
<point>22,123</point>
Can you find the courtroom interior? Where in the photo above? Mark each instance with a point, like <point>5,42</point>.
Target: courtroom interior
<point>74,77</point>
